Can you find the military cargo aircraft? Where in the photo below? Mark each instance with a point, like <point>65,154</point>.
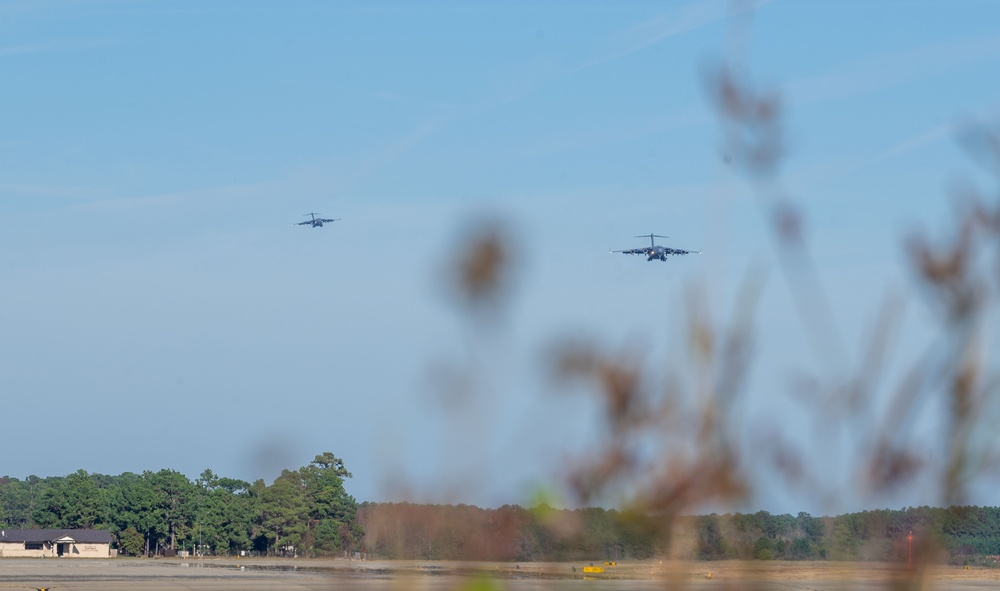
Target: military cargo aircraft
<point>316,222</point>
<point>656,251</point>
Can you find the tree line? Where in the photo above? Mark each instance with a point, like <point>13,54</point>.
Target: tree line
<point>303,512</point>
<point>511,533</point>
<point>307,512</point>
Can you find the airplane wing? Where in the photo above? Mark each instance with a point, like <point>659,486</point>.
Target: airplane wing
<point>631,251</point>
<point>326,221</point>
<point>681,251</point>
<point>305,223</point>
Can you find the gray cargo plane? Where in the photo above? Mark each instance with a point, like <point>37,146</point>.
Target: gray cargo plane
<point>655,251</point>
<point>316,222</point>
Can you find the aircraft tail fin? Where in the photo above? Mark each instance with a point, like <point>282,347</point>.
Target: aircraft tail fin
<point>651,236</point>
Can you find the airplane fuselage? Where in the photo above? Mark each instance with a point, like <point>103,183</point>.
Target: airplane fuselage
<point>662,252</point>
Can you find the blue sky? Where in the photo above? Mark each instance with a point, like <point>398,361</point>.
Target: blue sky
<point>160,310</point>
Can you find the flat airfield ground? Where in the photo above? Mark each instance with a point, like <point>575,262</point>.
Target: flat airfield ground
<point>321,574</point>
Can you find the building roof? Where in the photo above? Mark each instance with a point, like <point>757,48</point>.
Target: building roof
<point>80,536</point>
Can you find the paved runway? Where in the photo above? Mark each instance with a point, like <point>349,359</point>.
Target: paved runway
<point>304,574</point>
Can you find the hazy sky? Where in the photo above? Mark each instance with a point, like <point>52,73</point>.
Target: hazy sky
<point>161,310</point>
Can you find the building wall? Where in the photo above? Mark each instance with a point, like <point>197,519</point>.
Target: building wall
<point>16,549</point>
<point>89,551</point>
<point>9,549</point>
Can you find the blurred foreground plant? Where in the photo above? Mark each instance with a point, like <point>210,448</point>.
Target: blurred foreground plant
<point>671,444</point>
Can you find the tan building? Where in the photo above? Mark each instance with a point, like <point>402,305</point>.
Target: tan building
<point>68,543</point>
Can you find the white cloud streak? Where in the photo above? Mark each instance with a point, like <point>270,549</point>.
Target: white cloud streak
<point>48,191</point>
<point>670,24</point>
<point>54,47</point>
<point>892,69</point>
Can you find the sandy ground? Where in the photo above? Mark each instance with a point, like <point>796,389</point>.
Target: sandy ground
<point>306,574</point>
